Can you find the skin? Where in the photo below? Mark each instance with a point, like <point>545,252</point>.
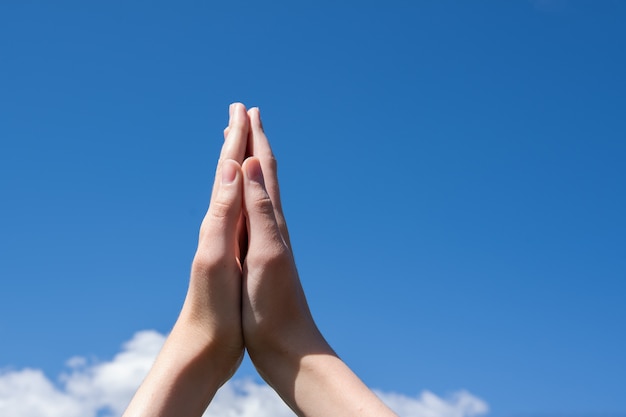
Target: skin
<point>245,293</point>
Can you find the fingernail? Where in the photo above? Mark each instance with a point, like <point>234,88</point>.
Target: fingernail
<point>261,121</point>
<point>254,172</point>
<point>229,172</point>
<point>236,111</point>
<point>258,117</point>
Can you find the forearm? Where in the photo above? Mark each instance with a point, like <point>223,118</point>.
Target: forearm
<point>206,345</point>
<point>315,382</point>
<point>182,381</point>
<point>325,386</point>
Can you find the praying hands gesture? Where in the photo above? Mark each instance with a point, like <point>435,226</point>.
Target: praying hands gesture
<point>244,293</point>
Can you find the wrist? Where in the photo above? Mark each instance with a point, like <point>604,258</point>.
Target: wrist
<point>182,380</point>
<point>189,354</point>
<point>321,384</point>
<point>278,359</point>
<point>213,355</point>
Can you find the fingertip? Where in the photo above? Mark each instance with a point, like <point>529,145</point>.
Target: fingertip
<point>237,111</point>
<point>236,134</point>
<point>255,117</point>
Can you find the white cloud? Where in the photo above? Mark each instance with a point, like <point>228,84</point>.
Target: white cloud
<point>459,404</point>
<point>104,389</point>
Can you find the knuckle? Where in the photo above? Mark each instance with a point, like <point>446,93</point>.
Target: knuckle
<point>279,261</point>
<point>220,209</point>
<point>218,218</point>
<point>274,257</point>
<point>263,205</point>
<point>202,263</point>
<point>208,263</point>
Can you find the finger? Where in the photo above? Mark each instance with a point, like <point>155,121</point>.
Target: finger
<point>230,116</point>
<point>218,232</point>
<point>264,235</point>
<point>259,146</point>
<point>237,136</point>
<point>235,142</point>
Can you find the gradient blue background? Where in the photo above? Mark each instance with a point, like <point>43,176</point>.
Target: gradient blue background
<point>453,176</point>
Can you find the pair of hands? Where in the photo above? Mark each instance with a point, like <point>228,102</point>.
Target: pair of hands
<point>245,294</point>
<point>244,288</point>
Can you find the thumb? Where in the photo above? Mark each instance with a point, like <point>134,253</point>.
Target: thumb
<point>264,234</point>
<point>218,233</point>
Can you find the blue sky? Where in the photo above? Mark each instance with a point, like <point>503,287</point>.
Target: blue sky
<point>453,176</point>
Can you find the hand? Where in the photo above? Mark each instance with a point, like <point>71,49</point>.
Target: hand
<point>213,303</point>
<point>282,339</point>
<point>205,346</point>
<point>276,317</point>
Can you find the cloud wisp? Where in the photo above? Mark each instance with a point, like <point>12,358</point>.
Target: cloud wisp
<point>104,389</point>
